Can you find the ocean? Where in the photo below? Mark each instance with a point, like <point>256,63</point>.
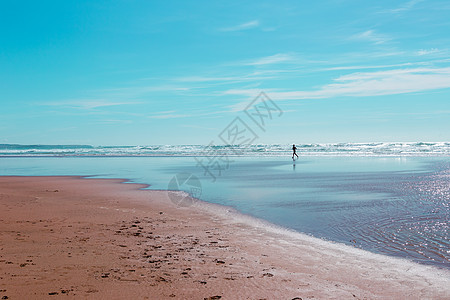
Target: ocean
<point>386,198</point>
<point>347,149</point>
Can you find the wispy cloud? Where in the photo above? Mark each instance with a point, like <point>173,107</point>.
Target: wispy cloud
<point>139,90</point>
<point>362,84</point>
<point>362,67</point>
<point>243,26</point>
<point>209,79</point>
<point>171,114</point>
<point>88,103</point>
<point>404,7</point>
<point>272,59</point>
<point>372,37</point>
<point>114,121</point>
<point>428,51</point>
<point>226,80</point>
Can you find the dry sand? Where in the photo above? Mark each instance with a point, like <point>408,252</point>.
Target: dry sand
<point>96,238</point>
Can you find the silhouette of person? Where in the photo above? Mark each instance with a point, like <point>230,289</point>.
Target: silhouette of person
<point>294,153</point>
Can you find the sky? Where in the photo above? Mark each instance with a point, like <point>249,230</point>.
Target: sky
<point>180,72</point>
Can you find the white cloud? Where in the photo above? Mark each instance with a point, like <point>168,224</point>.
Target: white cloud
<point>428,51</point>
<point>244,92</point>
<point>371,36</point>
<point>371,66</point>
<point>88,103</point>
<point>243,26</point>
<point>207,79</point>
<point>135,91</point>
<point>170,114</point>
<point>273,59</point>
<point>225,80</point>
<point>363,84</point>
<point>404,7</point>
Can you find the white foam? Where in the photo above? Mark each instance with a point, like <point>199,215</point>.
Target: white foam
<point>389,265</point>
<point>345,149</point>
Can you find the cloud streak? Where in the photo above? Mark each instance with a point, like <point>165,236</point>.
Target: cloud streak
<point>405,7</point>
<point>365,84</point>
<point>371,36</point>
<point>273,59</point>
<point>428,51</point>
<point>88,103</point>
<point>243,26</point>
<point>169,116</point>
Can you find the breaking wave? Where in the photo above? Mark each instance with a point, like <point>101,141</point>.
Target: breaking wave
<point>347,149</point>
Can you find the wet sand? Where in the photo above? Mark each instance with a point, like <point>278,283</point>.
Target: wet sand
<point>97,238</point>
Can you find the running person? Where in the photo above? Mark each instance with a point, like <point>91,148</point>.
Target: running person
<point>294,153</point>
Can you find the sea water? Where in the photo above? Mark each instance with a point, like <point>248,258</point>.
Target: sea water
<point>342,149</point>
<point>393,205</point>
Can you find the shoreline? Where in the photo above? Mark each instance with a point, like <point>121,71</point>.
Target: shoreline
<point>105,229</point>
<point>283,155</point>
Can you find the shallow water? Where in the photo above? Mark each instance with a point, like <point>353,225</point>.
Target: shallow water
<point>397,206</point>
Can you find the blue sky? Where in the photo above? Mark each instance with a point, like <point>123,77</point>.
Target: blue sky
<point>178,72</point>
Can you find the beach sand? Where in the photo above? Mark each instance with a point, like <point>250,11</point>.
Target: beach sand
<point>98,238</point>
